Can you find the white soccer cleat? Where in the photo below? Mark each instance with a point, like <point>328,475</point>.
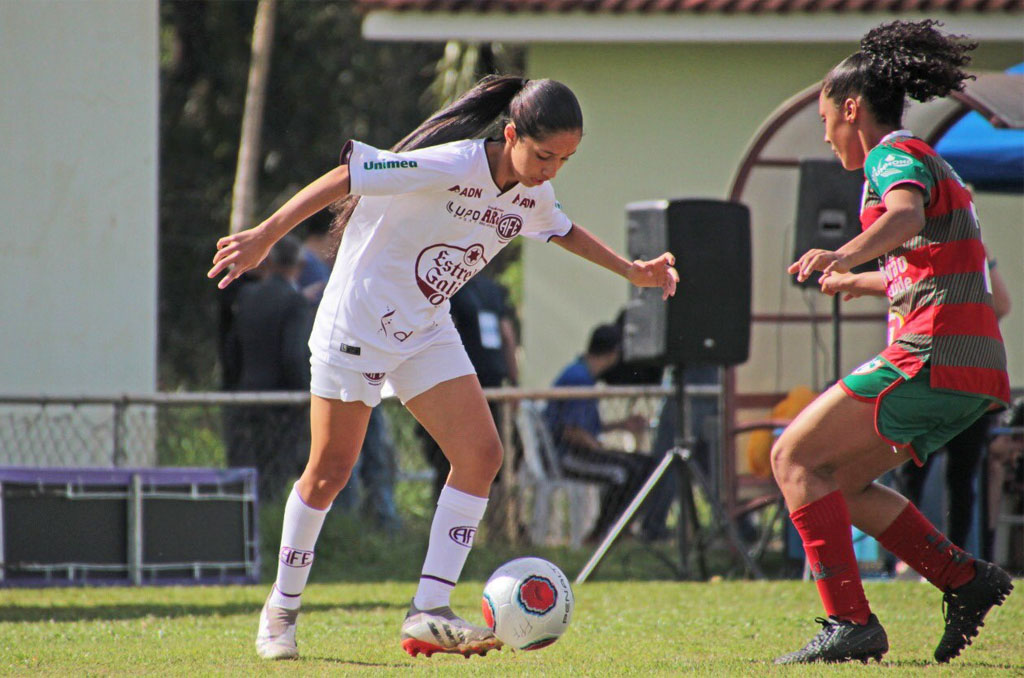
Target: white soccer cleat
<point>276,636</point>
<point>440,630</point>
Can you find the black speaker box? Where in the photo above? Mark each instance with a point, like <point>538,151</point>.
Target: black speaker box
<point>828,209</point>
<point>707,322</point>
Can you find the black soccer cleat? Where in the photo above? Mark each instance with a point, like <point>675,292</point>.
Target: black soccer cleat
<point>964,608</point>
<point>842,641</point>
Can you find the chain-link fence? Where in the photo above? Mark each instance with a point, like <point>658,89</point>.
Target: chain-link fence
<point>588,449</point>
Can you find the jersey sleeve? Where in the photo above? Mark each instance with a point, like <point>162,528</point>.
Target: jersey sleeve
<point>548,220</point>
<point>373,171</point>
<point>887,167</point>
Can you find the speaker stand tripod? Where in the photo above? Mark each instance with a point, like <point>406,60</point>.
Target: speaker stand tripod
<point>678,458</point>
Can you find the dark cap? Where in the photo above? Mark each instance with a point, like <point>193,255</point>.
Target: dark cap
<point>285,252</point>
<point>604,339</point>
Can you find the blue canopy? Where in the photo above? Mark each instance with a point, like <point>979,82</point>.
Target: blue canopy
<point>988,158</point>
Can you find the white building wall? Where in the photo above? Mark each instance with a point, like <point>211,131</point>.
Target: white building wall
<point>78,207</point>
<point>78,221</point>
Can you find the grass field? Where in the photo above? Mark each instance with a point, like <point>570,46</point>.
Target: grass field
<point>730,628</point>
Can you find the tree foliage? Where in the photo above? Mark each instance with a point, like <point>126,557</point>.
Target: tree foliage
<point>326,85</point>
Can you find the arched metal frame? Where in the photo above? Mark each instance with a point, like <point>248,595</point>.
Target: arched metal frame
<point>997,96</point>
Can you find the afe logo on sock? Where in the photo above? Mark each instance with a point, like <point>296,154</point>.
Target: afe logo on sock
<point>463,536</point>
<point>295,557</point>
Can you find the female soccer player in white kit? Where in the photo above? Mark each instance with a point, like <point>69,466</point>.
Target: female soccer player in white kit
<point>430,215</point>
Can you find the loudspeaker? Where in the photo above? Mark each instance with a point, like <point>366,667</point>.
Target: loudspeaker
<point>828,210</point>
<point>707,322</point>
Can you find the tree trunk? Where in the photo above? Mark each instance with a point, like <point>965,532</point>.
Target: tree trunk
<point>243,195</point>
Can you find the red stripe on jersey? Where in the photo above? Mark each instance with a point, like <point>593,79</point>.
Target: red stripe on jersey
<point>941,320</point>
<point>870,215</point>
<point>914,146</point>
<point>980,380</point>
<point>976,320</point>
<point>947,196</point>
<point>902,359</point>
<point>946,258</point>
<point>918,321</point>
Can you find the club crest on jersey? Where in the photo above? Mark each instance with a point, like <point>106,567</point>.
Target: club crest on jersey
<point>509,226</point>
<point>441,270</point>
<point>505,224</point>
<point>537,595</point>
<point>467,191</point>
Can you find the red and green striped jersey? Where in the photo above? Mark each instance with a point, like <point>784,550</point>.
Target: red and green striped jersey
<point>940,293</point>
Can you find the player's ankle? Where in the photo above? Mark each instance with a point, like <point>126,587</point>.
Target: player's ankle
<point>287,601</point>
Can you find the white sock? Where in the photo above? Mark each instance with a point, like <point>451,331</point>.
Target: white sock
<point>451,537</point>
<point>301,527</point>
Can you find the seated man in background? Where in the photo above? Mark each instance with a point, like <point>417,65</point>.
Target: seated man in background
<point>576,427</point>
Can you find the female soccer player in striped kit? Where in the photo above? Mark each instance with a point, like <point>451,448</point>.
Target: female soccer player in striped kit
<point>431,213</point>
<point>944,366</point>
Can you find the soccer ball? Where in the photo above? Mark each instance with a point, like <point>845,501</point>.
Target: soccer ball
<point>528,603</point>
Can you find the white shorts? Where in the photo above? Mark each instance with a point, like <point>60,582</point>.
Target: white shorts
<point>416,374</point>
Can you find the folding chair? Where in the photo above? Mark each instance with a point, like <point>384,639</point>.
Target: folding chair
<point>542,471</point>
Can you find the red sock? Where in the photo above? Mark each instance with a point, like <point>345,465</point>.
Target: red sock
<point>915,541</point>
<point>824,526</point>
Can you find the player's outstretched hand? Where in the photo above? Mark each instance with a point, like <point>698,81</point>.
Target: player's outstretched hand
<point>239,253</point>
<point>655,273</point>
<point>818,260</point>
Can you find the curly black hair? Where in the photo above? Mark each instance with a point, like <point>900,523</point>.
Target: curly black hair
<point>900,59</point>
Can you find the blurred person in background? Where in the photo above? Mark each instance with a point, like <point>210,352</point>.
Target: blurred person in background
<point>944,367</point>
<point>319,249</point>
<point>1006,469</point>
<point>267,350</point>
<point>424,218</point>
<point>576,427</point>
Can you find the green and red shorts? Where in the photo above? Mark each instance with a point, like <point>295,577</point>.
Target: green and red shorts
<point>909,413</point>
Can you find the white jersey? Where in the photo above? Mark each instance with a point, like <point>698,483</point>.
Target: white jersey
<point>427,222</point>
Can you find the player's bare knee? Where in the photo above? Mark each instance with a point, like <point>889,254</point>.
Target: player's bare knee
<point>492,458</point>
<point>780,459</point>
<point>483,462</point>
<point>788,465</point>
<point>329,478</point>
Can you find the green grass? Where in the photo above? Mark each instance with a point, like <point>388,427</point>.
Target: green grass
<point>730,628</point>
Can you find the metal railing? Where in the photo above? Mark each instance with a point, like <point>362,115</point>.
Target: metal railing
<point>269,430</point>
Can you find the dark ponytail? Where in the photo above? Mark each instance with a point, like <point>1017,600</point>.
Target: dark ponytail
<point>538,108</point>
<point>901,59</point>
<point>467,117</point>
